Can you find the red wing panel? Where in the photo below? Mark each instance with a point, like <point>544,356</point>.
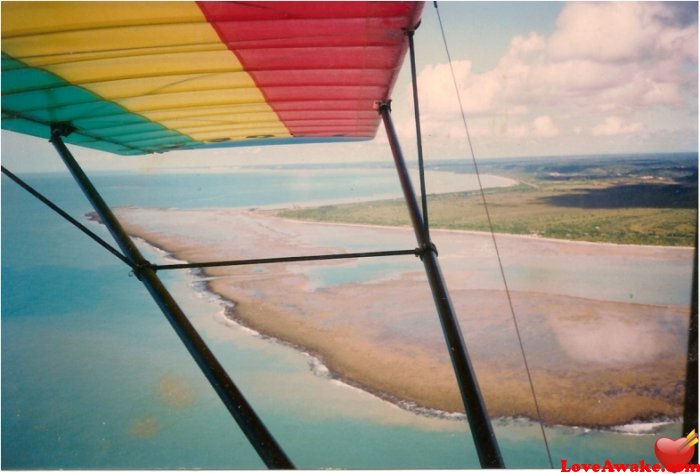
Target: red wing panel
<point>327,55</point>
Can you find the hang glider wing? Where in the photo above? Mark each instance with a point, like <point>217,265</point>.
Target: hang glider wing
<point>143,77</point>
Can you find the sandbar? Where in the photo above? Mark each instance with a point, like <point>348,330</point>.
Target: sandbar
<point>595,361</point>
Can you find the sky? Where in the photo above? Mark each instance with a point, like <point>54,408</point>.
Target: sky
<point>534,78</point>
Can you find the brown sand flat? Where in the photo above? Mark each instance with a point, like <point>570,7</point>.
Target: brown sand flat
<point>594,362</point>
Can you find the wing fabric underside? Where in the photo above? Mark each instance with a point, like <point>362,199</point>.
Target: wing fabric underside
<point>145,77</point>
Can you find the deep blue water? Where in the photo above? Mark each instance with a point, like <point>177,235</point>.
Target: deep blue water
<point>93,377</point>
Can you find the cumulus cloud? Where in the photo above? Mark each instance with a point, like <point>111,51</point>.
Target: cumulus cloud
<point>604,31</point>
<point>628,31</point>
<point>605,62</point>
<point>626,54</point>
<point>541,127</point>
<point>544,127</point>
<point>437,89</point>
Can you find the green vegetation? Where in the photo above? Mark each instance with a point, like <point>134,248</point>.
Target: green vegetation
<point>632,201</point>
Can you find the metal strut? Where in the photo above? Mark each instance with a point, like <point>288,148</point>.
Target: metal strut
<point>479,421</point>
<point>690,409</point>
<point>251,425</point>
<point>303,258</point>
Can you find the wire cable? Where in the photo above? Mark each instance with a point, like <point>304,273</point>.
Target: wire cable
<point>495,244</point>
<point>419,138</point>
<point>67,216</point>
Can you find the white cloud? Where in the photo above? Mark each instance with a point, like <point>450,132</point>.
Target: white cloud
<point>522,45</point>
<point>616,126</point>
<point>625,31</point>
<point>662,93</point>
<point>604,31</point>
<point>604,65</point>
<point>541,127</point>
<point>437,90</point>
<point>544,127</point>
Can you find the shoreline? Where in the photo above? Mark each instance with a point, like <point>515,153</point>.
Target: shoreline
<point>508,182</point>
<point>651,425</point>
<point>93,217</point>
<point>647,426</point>
<point>471,232</point>
<point>266,318</point>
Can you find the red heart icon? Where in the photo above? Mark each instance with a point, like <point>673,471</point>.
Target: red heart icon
<point>674,455</point>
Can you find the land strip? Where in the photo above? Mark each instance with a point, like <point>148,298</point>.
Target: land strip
<point>629,202</point>
<point>595,362</point>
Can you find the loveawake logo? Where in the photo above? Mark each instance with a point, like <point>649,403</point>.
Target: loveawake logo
<point>673,456</point>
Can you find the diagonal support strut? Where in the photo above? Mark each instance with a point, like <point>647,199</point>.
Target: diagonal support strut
<point>479,421</point>
<point>65,215</point>
<point>260,438</point>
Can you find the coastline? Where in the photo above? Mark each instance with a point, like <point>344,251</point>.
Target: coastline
<point>472,232</point>
<point>422,377</point>
<point>320,369</point>
<point>440,182</point>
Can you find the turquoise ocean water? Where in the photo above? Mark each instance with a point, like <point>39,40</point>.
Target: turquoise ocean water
<point>93,377</point>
